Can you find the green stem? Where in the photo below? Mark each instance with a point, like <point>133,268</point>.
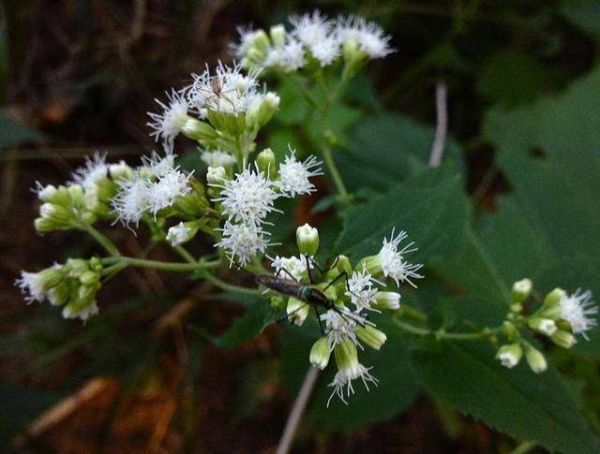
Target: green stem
<point>442,334</point>
<point>524,447</point>
<point>185,254</point>
<point>229,287</point>
<point>165,266</point>
<point>101,239</point>
<point>335,174</point>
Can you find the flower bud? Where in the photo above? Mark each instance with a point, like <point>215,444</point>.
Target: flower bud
<point>264,111</point>
<point>267,163</point>
<point>277,33</point>
<point>535,359</point>
<point>509,355</point>
<point>260,40</point>
<point>43,225</point>
<point>216,175</point>
<point>554,297</point>
<point>89,278</point>
<point>198,130</point>
<point>297,311</point>
<point>120,171</point>
<point>563,339</point>
<point>182,232</point>
<point>371,265</point>
<point>346,356</point>
<point>521,290</point>
<point>509,330</point>
<point>387,300</point>
<point>47,193</point>
<point>307,239</point>
<point>320,353</point>
<point>543,326</point>
<point>371,336</point>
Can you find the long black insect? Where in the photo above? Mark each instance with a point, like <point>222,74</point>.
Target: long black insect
<point>305,293</point>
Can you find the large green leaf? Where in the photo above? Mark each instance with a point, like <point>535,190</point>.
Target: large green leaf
<point>532,407</point>
<point>431,207</point>
<point>385,149</point>
<point>548,228</point>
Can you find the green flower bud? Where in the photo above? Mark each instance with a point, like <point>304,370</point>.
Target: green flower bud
<point>277,302</point>
<point>371,336</point>
<point>372,265</point>
<point>267,163</point>
<point>90,278</point>
<point>57,214</point>
<point>260,114</point>
<point>297,311</point>
<point>387,300</point>
<point>216,175</point>
<point>553,298</point>
<point>76,195</point>
<point>199,131</point>
<point>307,239</point>
<point>47,193</point>
<point>320,353</point>
<point>278,34</point>
<point>43,225</point>
<point>510,330</point>
<point>120,171</point>
<point>510,355</point>
<point>346,356</point>
<point>563,339</point>
<point>59,294</point>
<point>535,359</point>
<point>260,40</point>
<point>182,232</point>
<point>543,326</point>
<point>521,290</point>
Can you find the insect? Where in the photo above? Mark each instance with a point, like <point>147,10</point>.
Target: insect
<point>307,293</point>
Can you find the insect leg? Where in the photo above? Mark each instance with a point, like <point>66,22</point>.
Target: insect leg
<point>286,272</point>
<point>319,320</point>
<point>310,276</point>
<point>337,278</point>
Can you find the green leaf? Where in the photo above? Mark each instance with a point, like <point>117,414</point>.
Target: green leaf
<point>246,327</point>
<point>525,405</point>
<point>511,78</point>
<point>548,229</point>
<point>14,133</point>
<point>385,149</point>
<point>431,207</point>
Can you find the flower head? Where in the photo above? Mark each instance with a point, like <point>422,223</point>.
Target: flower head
<point>368,36</point>
<point>32,286</point>
<point>131,201</point>
<point>217,158</point>
<point>361,291</point>
<point>242,242</point>
<point>294,175</point>
<point>169,123</point>
<point>163,193</point>
<point>578,309</point>
<point>94,170</point>
<point>248,198</point>
<point>295,266</point>
<point>392,260</point>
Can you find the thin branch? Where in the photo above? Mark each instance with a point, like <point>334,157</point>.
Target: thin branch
<point>295,416</point>
<point>441,130</point>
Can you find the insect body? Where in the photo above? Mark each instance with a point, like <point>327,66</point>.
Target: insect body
<point>306,293</point>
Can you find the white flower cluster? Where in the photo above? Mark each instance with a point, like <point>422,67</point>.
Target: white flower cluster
<point>248,198</point>
<point>578,309</point>
<point>351,293</point>
<point>313,37</point>
<point>153,186</point>
<point>225,91</point>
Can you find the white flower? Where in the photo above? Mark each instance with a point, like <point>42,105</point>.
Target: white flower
<point>242,242</point>
<point>509,355</point>
<point>131,201</point>
<point>349,369</point>
<point>370,37</point>
<point>169,123</point>
<point>248,198</point>
<point>164,192</point>
<point>216,175</point>
<point>339,327</point>
<point>326,51</point>
<point>247,37</point>
<point>226,91</point>
<point>393,263</point>
<point>361,290</point>
<point>290,56</point>
<point>295,266</point>
<point>578,309</point>
<point>178,234</point>
<point>311,29</point>
<point>32,286</point>
<point>95,170</point>
<point>157,166</point>
<point>294,175</point>
<point>217,158</point>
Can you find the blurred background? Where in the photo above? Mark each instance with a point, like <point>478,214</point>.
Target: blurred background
<point>151,373</point>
